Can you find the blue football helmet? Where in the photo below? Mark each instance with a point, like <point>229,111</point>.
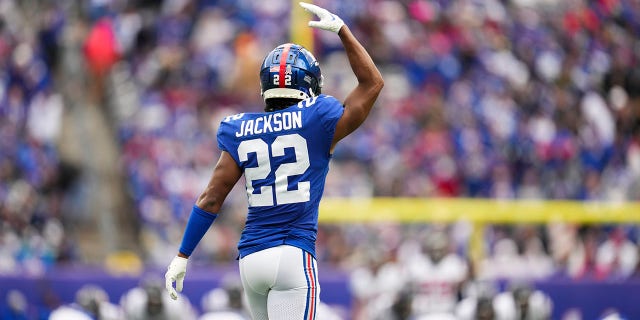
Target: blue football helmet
<point>290,71</point>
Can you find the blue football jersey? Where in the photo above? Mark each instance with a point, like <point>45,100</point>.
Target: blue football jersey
<point>285,159</point>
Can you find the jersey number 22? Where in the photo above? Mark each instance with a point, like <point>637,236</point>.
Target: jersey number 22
<point>282,193</point>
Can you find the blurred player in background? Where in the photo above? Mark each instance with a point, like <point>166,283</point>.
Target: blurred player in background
<point>147,302</point>
<point>377,285</point>
<point>522,301</point>
<point>225,302</point>
<point>16,306</point>
<point>477,308</point>
<point>92,302</point>
<point>437,276</point>
<point>519,301</point>
<point>284,155</point>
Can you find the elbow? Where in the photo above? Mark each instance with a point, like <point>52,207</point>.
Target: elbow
<point>209,202</point>
<point>376,86</point>
<point>379,84</point>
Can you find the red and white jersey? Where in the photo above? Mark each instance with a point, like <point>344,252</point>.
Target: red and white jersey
<point>367,284</point>
<point>436,284</point>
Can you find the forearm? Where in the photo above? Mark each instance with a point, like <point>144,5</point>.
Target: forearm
<point>198,224</point>
<point>204,212</point>
<point>360,100</point>
<point>361,63</point>
<point>210,200</point>
<point>224,177</point>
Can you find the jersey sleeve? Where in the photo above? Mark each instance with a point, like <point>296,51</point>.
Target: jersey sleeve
<point>222,137</point>
<point>329,110</point>
<point>225,140</point>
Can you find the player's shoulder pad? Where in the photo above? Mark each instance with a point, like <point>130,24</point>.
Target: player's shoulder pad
<point>316,101</point>
<point>230,123</point>
<point>228,126</point>
<point>232,118</point>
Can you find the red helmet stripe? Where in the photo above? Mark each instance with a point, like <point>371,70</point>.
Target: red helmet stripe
<point>283,63</point>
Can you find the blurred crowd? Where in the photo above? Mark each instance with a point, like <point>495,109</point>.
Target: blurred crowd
<point>497,99</point>
<point>420,273</point>
<point>500,99</point>
<point>520,99</point>
<point>427,270</point>
<point>33,179</point>
<point>146,301</point>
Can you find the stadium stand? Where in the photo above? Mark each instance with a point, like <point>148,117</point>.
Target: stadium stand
<point>507,100</point>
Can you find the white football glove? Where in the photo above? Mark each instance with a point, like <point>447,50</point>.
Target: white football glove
<point>175,273</point>
<point>328,20</point>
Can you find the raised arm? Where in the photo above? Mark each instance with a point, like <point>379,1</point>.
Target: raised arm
<point>360,100</point>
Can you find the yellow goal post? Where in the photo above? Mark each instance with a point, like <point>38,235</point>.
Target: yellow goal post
<point>299,31</point>
<point>479,212</point>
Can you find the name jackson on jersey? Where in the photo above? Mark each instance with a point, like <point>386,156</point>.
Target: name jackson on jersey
<point>284,155</point>
<point>276,122</point>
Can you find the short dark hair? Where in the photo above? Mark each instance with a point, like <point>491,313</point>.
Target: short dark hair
<point>275,104</point>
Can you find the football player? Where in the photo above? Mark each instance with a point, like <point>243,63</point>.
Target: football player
<point>284,154</point>
<point>437,275</point>
<point>147,302</point>
<point>92,302</point>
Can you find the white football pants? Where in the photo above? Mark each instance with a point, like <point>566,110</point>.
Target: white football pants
<point>281,283</point>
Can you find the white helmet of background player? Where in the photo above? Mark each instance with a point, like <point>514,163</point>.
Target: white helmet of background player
<point>89,297</point>
<point>436,245</point>
<point>92,302</point>
<point>228,296</point>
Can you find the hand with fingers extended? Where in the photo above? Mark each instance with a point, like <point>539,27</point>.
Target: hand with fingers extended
<point>175,273</point>
<point>328,21</point>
